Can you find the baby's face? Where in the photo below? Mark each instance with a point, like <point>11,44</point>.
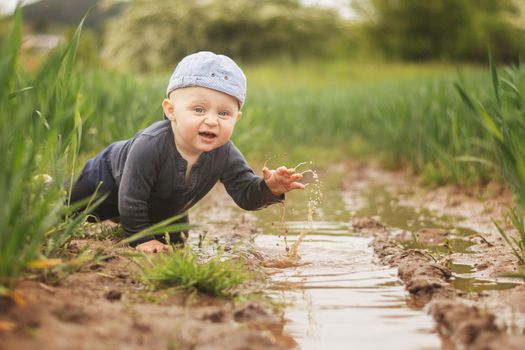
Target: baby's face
<point>203,119</point>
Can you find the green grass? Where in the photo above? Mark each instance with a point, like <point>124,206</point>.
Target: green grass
<point>517,245</point>
<point>217,276</point>
<point>42,132</point>
<point>503,119</point>
<point>504,122</point>
<point>406,121</point>
<point>38,138</point>
<point>405,115</point>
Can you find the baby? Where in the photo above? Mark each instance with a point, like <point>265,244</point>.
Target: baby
<point>168,167</point>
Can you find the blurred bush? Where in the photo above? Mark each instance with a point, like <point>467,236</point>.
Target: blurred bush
<point>151,34</point>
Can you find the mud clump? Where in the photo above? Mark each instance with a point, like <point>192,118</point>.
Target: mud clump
<point>71,314</point>
<point>471,328</point>
<point>387,251</point>
<point>464,326</point>
<point>215,316</point>
<point>367,223</point>
<point>113,295</point>
<point>422,275</point>
<point>254,312</point>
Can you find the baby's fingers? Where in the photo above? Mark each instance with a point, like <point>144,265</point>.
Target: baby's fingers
<point>295,177</point>
<point>297,186</point>
<point>282,171</point>
<point>290,171</point>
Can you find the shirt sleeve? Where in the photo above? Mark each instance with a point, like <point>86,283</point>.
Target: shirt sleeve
<point>248,190</point>
<point>138,177</point>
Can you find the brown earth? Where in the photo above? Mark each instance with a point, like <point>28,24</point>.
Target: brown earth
<point>492,319</point>
<point>103,306</point>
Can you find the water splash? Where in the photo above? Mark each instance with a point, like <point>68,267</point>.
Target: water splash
<point>291,257</point>
<point>275,156</point>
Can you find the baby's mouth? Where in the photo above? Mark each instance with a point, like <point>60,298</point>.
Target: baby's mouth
<point>208,134</point>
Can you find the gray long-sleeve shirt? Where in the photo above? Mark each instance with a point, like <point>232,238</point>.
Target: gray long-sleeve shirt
<point>150,176</point>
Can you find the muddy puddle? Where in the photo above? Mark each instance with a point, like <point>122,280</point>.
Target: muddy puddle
<point>467,280</point>
<point>439,234</point>
<point>340,299</point>
<point>338,296</point>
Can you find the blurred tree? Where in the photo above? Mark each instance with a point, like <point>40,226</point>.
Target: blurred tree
<point>443,29</point>
<point>151,34</point>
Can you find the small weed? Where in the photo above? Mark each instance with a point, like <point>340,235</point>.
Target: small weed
<point>416,242</point>
<point>183,268</point>
<point>448,246</point>
<point>517,245</point>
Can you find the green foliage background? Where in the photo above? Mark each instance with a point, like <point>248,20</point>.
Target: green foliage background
<point>147,35</point>
<point>151,35</point>
<point>443,29</point>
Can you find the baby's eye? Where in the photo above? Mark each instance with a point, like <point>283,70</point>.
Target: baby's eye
<point>224,114</point>
<point>199,110</point>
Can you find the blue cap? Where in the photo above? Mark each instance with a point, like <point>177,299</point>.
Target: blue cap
<point>209,70</point>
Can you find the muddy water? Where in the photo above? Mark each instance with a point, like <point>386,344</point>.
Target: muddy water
<point>339,297</point>
<point>379,202</point>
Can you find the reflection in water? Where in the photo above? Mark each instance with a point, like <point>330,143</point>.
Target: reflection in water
<point>466,280</point>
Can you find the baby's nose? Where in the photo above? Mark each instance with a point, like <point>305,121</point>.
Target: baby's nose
<point>211,119</point>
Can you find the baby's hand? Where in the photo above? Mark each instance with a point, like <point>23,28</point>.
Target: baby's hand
<point>152,246</point>
<point>282,180</point>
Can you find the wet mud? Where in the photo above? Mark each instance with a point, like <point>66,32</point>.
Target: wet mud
<point>461,323</point>
<point>475,315</point>
<point>103,306</point>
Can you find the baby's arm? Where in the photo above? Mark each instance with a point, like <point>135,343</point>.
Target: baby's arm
<point>252,192</point>
<point>248,190</point>
<point>282,180</point>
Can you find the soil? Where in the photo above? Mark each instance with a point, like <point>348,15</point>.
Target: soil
<point>488,319</point>
<point>103,305</point>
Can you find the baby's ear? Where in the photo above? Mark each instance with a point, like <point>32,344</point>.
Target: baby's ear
<point>167,107</point>
<point>239,115</point>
